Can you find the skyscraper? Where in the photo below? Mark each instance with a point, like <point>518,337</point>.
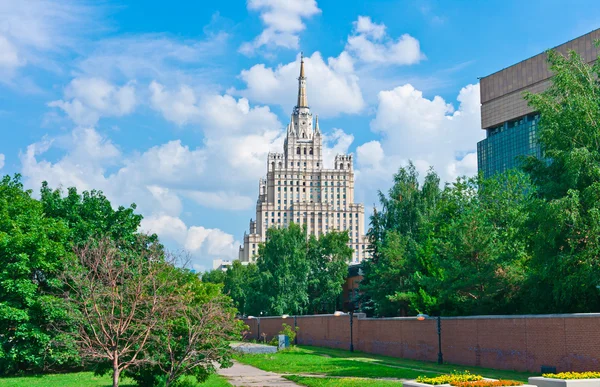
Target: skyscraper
<point>298,189</point>
<point>510,124</point>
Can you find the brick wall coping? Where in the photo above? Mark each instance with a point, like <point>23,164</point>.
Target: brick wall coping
<point>493,317</point>
<point>362,316</point>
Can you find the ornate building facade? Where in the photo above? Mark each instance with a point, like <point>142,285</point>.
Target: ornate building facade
<point>298,189</point>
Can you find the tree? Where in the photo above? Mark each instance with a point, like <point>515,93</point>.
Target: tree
<point>481,250</point>
<point>565,223</point>
<point>328,259</point>
<point>460,250</point>
<point>117,300</point>
<point>214,276</point>
<point>31,248</point>
<point>284,268</point>
<point>401,246</point>
<point>242,284</point>
<point>186,347</point>
<point>91,214</point>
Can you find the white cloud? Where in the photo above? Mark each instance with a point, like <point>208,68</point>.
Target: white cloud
<point>283,22</point>
<point>221,200</point>
<point>337,142</point>
<point>369,154</point>
<point>179,107</point>
<point>155,180</point>
<point>369,43</point>
<point>31,31</point>
<point>1,161</point>
<point>217,174</point>
<point>88,99</point>
<point>219,115</point>
<point>430,132</point>
<point>156,57</point>
<point>9,57</point>
<point>332,87</point>
<point>208,243</point>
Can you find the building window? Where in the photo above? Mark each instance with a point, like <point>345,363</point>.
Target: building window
<point>298,150</point>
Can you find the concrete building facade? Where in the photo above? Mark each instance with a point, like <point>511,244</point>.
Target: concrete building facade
<point>510,124</point>
<point>298,189</point>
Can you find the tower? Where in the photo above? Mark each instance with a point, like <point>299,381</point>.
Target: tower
<point>299,189</point>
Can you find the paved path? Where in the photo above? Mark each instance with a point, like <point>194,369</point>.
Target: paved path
<point>248,376</point>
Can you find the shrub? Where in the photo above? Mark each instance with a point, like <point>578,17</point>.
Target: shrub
<point>289,332</point>
<point>488,383</point>
<point>453,377</point>
<point>573,375</point>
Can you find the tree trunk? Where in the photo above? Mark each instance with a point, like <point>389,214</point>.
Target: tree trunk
<point>115,369</point>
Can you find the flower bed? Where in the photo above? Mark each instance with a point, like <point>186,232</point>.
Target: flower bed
<point>461,379</point>
<point>573,375</point>
<point>488,383</point>
<point>567,379</point>
<point>454,377</point>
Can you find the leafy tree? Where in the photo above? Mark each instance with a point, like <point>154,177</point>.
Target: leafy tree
<point>400,237</point>
<point>328,259</point>
<point>284,268</point>
<point>242,284</point>
<point>214,276</point>
<point>186,347</point>
<point>460,250</point>
<point>117,300</point>
<point>31,248</point>
<point>90,214</point>
<point>565,224</point>
<point>481,252</point>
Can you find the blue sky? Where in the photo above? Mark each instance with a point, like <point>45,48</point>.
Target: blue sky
<point>175,107</point>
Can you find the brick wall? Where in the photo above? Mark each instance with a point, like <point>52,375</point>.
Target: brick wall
<point>525,343</point>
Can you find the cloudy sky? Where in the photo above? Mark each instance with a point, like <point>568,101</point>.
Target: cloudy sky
<point>174,106</point>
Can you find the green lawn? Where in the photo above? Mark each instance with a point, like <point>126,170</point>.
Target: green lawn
<point>340,382</point>
<point>85,379</point>
<point>311,361</point>
<point>336,362</point>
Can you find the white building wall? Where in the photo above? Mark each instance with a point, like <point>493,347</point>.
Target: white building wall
<point>297,189</point>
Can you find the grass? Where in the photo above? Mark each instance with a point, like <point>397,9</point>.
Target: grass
<point>337,362</point>
<point>423,365</point>
<point>86,379</point>
<point>340,382</point>
<point>311,361</point>
<point>79,379</point>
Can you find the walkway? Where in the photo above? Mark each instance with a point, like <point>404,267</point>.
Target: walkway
<point>248,376</point>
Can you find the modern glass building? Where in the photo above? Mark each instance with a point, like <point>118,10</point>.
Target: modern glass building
<point>504,143</point>
<point>510,124</point>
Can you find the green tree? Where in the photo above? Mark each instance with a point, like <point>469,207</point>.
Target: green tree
<point>186,347</point>
<point>214,276</point>
<point>481,250</point>
<point>243,286</point>
<point>31,248</point>
<point>565,224</point>
<point>328,259</point>
<point>90,214</point>
<point>400,237</point>
<point>284,269</point>
<point>460,250</point>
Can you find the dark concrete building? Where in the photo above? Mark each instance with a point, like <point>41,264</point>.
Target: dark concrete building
<point>510,124</point>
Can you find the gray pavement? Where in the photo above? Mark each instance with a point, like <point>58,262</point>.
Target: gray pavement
<point>248,376</point>
<point>253,348</point>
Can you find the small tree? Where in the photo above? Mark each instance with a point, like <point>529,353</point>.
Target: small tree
<point>117,300</point>
<point>189,344</point>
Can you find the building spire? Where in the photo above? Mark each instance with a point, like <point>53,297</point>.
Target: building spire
<point>302,100</point>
